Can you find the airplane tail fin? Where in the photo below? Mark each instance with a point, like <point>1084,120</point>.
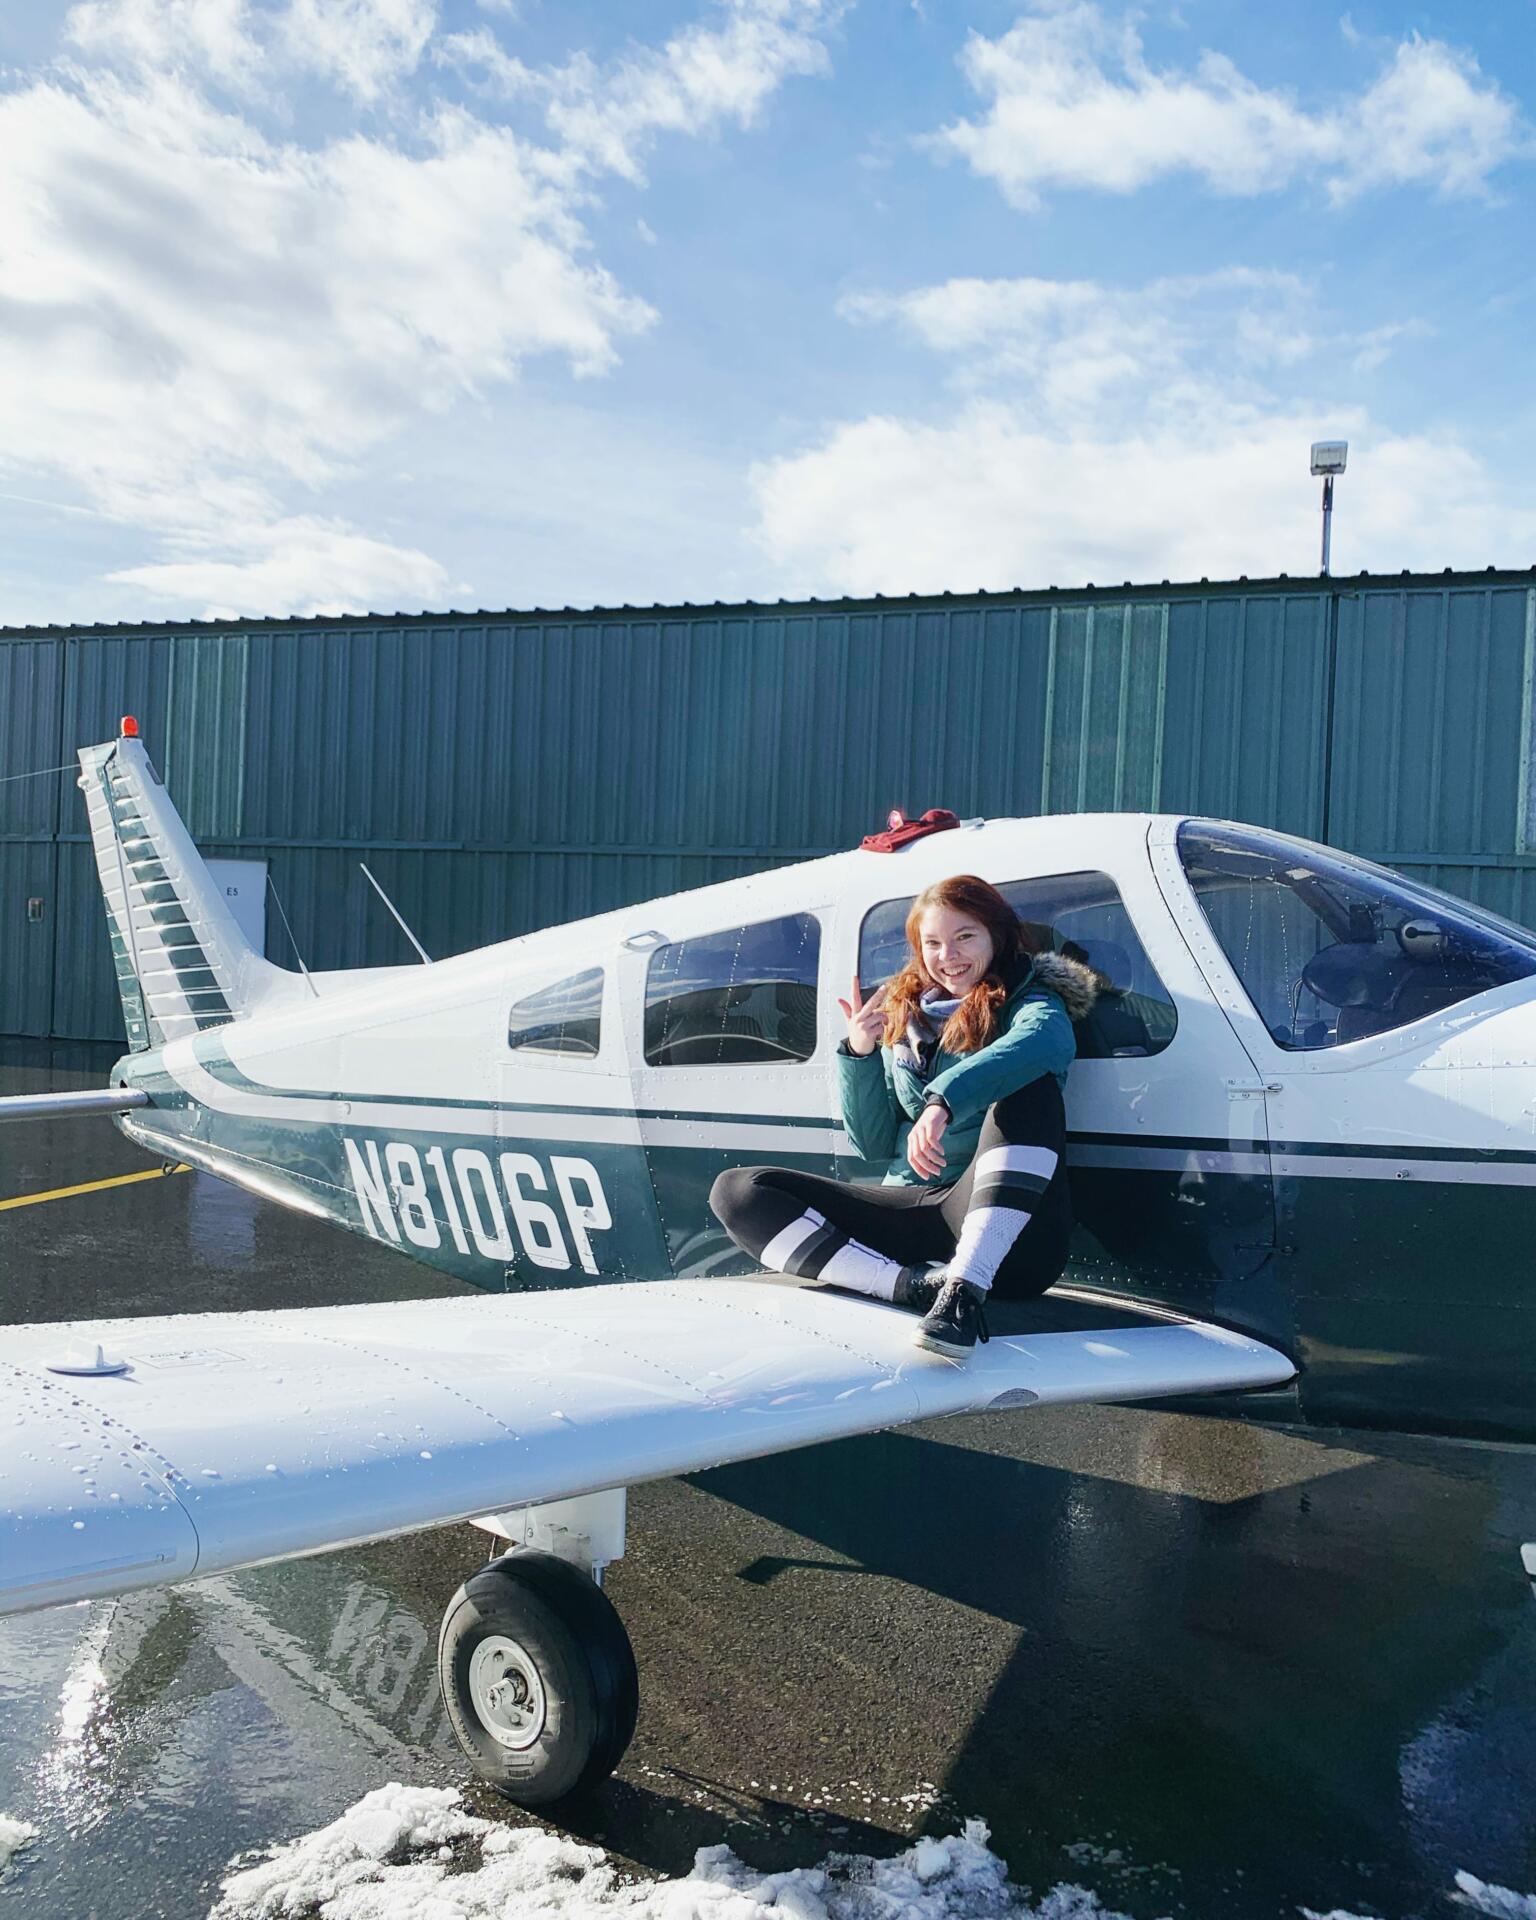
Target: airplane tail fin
<point>182,962</point>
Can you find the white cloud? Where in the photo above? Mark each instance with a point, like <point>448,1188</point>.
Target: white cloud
<point>299,565</point>
<point>196,319</point>
<point>1074,103</point>
<point>366,46</point>
<point>206,322</point>
<point>485,62</point>
<point>363,47</point>
<point>1075,347</point>
<point>166,36</point>
<point>1105,434</point>
<point>702,78</point>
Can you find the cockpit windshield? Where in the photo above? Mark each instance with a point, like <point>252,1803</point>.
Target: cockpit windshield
<point>1332,949</point>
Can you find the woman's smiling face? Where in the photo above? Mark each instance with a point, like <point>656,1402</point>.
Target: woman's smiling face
<point>956,949</point>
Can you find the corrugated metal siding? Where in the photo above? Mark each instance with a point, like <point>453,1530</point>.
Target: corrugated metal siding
<point>108,675</point>
<point>27,954</point>
<point>30,674</point>
<point>207,726</point>
<point>1427,723</point>
<point>511,771</point>
<point>85,1000</point>
<point>1247,709</point>
<point>1431,745</point>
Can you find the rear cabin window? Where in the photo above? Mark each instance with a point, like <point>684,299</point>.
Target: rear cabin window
<point>743,997</point>
<point>1080,915</point>
<point>566,1018</point>
<point>1331,949</point>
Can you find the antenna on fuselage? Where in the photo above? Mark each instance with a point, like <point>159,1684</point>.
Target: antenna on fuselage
<point>278,899</point>
<point>426,958</point>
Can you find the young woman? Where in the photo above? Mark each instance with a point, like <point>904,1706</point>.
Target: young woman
<point>953,1072</point>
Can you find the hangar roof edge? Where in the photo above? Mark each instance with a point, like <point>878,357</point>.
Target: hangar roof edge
<point>981,597</point>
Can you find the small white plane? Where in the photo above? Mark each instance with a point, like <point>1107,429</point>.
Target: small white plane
<point>1303,1151</point>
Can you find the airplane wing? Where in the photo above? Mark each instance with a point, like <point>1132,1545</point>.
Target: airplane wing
<point>69,1106</point>
<point>142,1452</point>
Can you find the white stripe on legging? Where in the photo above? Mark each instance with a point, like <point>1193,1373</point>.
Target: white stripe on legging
<point>988,1233</point>
<point>854,1266</point>
<point>784,1245</point>
<point>1038,1160</point>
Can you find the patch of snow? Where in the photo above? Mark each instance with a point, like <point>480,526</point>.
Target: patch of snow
<point>384,1860</point>
<point>14,1835</point>
<point>321,1870</point>
<point>409,1853</point>
<point>1498,1902</point>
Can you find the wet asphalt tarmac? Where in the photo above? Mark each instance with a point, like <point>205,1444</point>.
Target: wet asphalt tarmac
<point>1198,1666</point>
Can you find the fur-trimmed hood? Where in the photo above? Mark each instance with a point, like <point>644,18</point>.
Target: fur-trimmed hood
<point>1076,986</point>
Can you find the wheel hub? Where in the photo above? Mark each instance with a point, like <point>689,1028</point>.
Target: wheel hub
<point>507,1692</point>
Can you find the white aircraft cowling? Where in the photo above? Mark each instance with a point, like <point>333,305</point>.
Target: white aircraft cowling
<point>231,1439</point>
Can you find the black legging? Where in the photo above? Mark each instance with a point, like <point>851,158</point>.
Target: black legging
<point>911,1225</point>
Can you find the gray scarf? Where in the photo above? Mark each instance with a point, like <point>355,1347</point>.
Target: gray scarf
<point>916,1052</point>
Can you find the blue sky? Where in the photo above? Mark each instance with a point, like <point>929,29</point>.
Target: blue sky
<point>313,305</point>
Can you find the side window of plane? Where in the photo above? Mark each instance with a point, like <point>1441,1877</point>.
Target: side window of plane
<point>1079,914</point>
<point>1332,949</point>
<point>565,1018</point>
<point>744,997</point>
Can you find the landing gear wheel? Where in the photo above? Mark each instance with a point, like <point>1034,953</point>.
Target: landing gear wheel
<point>538,1676</point>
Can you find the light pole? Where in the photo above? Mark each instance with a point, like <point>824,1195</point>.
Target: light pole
<point>1328,457</point>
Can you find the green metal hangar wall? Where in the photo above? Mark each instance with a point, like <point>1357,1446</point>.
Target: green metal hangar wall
<point>502,771</point>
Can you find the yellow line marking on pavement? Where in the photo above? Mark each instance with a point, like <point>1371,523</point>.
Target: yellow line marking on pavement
<point>90,1186</point>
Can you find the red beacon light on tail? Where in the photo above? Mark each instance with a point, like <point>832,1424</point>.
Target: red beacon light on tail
<point>901,832</point>
<point>130,727</point>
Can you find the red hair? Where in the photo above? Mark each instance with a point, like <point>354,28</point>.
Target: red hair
<point>973,1024</point>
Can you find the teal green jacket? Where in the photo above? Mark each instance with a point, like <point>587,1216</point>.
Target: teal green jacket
<point>882,1096</point>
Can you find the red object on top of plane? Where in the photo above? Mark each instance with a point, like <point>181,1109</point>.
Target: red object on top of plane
<point>901,832</point>
<point>130,727</point>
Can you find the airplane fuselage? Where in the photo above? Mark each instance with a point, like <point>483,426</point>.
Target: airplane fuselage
<point>1353,1181</point>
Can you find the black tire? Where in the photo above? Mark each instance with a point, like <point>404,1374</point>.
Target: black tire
<point>571,1676</point>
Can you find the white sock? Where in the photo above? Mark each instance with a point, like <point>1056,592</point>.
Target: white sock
<point>1008,1182</point>
<point>812,1250</point>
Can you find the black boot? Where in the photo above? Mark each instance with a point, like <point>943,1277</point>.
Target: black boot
<point>956,1322</point>
<point>917,1288</point>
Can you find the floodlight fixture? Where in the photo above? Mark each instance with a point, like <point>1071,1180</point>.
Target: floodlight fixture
<point>1328,458</point>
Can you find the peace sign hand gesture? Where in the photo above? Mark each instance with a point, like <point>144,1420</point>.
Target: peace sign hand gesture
<point>866,1019</point>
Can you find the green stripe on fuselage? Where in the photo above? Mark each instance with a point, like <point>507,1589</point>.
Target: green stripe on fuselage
<point>1407,1302</point>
